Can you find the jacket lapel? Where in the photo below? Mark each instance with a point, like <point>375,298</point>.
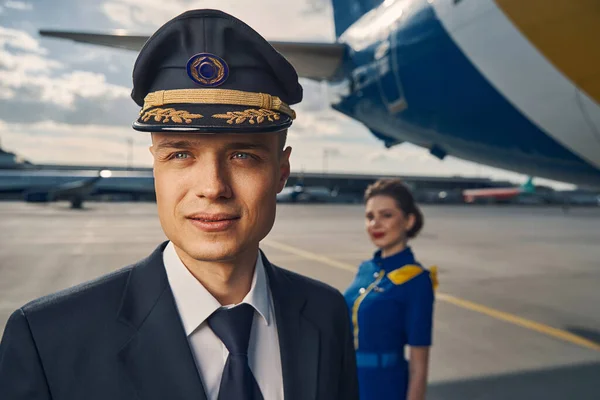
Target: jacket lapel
<point>157,357</point>
<point>298,336</point>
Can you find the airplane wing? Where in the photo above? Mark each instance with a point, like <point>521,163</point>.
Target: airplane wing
<point>318,61</point>
<point>117,39</point>
<point>73,191</point>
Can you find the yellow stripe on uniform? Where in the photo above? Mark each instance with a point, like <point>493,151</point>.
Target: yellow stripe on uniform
<point>566,32</point>
<point>500,315</point>
<point>404,274</point>
<point>359,300</point>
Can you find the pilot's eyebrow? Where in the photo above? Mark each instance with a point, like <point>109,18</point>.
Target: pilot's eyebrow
<point>247,146</point>
<point>191,144</point>
<point>175,144</point>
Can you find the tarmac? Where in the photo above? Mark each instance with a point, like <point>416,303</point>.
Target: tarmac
<point>518,306</point>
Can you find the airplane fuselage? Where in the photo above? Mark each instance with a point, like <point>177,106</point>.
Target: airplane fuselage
<point>459,78</point>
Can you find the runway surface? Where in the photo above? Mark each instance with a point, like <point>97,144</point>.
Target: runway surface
<point>518,309</point>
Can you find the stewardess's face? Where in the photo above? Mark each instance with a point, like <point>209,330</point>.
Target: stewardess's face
<point>386,224</point>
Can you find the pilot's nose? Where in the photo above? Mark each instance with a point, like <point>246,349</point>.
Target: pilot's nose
<point>212,180</point>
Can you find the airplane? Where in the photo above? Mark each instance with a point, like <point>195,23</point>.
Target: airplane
<point>500,193</point>
<point>45,186</point>
<point>509,84</point>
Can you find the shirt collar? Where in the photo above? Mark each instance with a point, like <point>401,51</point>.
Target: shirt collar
<point>394,261</point>
<point>195,304</point>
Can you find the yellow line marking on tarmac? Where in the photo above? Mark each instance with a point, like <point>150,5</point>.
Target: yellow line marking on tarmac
<point>469,305</point>
<point>310,256</point>
<point>525,323</point>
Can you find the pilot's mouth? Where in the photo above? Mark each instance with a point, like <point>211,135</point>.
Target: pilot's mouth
<point>213,223</point>
<point>213,219</point>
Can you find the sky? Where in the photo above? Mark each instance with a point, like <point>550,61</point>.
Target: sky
<point>68,103</point>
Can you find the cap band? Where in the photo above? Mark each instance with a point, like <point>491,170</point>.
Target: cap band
<point>216,96</point>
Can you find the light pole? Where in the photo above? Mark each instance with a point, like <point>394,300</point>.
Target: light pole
<point>129,153</point>
<point>326,153</point>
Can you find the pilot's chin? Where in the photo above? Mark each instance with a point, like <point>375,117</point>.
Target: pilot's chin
<point>214,252</point>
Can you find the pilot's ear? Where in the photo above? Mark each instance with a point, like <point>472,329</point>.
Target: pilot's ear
<point>284,168</point>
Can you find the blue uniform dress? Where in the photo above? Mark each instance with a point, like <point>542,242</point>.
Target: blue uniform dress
<point>391,305</point>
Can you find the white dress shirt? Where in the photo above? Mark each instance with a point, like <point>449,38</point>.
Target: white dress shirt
<point>195,304</point>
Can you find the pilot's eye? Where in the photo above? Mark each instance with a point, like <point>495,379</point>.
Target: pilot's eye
<point>180,156</point>
<point>241,156</point>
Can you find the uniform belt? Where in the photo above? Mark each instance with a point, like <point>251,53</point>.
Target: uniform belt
<point>378,360</point>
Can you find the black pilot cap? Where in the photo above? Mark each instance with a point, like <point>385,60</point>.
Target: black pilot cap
<point>206,71</point>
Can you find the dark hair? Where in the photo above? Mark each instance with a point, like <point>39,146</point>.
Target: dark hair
<point>397,190</point>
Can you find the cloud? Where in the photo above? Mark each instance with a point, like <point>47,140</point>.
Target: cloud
<point>27,63</point>
<point>263,16</point>
<point>402,153</point>
<point>7,94</point>
<point>316,124</point>
<point>20,40</point>
<point>18,5</point>
<point>52,142</point>
<point>36,87</point>
<point>378,156</point>
<point>317,6</point>
<point>309,154</point>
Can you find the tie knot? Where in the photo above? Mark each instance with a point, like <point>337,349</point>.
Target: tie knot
<point>233,326</point>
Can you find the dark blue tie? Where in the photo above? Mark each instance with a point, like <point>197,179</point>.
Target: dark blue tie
<point>233,327</point>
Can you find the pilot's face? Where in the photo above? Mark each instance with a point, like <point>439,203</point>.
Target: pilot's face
<point>216,194</point>
<point>386,223</point>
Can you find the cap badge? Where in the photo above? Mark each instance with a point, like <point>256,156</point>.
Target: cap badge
<point>207,69</point>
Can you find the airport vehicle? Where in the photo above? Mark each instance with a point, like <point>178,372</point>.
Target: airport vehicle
<point>511,84</point>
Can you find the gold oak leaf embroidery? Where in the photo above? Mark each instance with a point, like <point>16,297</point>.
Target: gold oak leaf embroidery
<point>165,114</point>
<point>251,115</point>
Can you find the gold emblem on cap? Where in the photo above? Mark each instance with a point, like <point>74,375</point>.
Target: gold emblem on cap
<point>253,116</point>
<point>165,114</point>
<point>217,67</point>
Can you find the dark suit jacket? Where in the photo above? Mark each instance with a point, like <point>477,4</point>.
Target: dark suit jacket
<point>120,338</point>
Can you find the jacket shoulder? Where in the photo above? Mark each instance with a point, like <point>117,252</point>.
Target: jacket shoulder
<point>312,287</point>
<point>77,296</point>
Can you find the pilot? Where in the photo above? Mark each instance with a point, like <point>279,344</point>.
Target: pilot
<point>391,299</point>
<point>205,315</point>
